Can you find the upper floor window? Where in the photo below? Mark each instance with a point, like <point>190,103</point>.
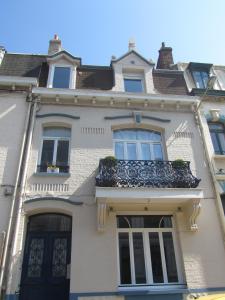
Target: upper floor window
<point>55,150</point>
<point>200,78</point>
<point>138,144</point>
<point>147,250</point>
<point>218,137</point>
<point>133,85</point>
<point>61,77</point>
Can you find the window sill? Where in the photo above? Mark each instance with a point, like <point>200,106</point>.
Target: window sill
<point>154,289</point>
<point>52,174</point>
<point>219,156</point>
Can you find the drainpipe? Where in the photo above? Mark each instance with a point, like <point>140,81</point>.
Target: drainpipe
<point>215,182</point>
<point>14,206</point>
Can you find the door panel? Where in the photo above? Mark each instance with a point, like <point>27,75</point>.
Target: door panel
<point>44,273</point>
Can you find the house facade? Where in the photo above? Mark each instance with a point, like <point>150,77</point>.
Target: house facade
<point>115,197</point>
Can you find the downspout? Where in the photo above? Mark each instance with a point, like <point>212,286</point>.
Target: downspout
<point>13,210</point>
<point>218,199</point>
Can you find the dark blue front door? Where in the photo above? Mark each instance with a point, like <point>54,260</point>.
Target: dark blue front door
<point>45,273</point>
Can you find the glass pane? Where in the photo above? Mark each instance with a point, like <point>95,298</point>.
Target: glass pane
<point>157,148</point>
<point>222,142</point>
<point>57,132</point>
<point>157,271</point>
<point>47,152</point>
<point>59,263</point>
<point>198,80</point>
<point>144,135</point>
<point>35,260</point>
<point>61,77</point>
<point>133,85</point>
<point>156,136</point>
<point>205,78</point>
<point>145,152</point>
<point>62,153</point>
<point>50,222</point>
<point>215,142</point>
<point>157,221</point>
<point>119,150</point>
<point>139,261</point>
<point>131,151</point>
<point>216,127</point>
<point>124,252</point>
<point>223,201</point>
<point>170,257</point>
<point>125,134</point>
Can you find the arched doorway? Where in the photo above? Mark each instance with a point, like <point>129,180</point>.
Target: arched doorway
<point>45,271</point>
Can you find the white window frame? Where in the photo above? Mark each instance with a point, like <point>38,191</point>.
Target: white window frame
<point>72,78</point>
<point>56,140</point>
<point>138,145</point>
<point>147,254</point>
<point>135,77</point>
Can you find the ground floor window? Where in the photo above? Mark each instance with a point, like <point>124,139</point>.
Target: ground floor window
<point>147,252</point>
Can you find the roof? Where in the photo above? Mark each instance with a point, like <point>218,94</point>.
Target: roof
<point>25,65</point>
<point>135,53</point>
<point>169,82</point>
<point>88,77</point>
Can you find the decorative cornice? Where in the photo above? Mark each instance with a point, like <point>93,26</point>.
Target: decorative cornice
<point>53,199</point>
<point>57,115</point>
<point>130,116</point>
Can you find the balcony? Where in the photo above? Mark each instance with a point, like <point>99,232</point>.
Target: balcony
<point>147,185</point>
<point>146,173</point>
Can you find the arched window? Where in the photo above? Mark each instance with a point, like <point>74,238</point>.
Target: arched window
<point>55,150</point>
<point>138,144</point>
<point>218,137</point>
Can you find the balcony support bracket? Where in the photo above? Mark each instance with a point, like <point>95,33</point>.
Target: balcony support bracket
<point>101,216</point>
<point>194,213</point>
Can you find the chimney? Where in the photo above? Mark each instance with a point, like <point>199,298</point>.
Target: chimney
<point>2,52</point>
<point>54,45</point>
<point>165,59</point>
<point>131,45</point>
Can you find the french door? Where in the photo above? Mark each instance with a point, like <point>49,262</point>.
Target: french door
<point>45,272</point>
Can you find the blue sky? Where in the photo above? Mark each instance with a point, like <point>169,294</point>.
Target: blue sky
<point>97,29</point>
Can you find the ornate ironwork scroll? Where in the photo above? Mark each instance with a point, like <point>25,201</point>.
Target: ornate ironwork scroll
<point>146,173</point>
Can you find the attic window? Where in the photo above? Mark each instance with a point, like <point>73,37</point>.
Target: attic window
<point>61,78</point>
<point>133,85</point>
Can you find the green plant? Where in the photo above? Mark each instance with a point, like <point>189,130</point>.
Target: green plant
<point>178,163</point>
<point>109,161</point>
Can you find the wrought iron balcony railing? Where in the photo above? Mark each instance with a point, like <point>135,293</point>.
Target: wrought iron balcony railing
<point>146,173</point>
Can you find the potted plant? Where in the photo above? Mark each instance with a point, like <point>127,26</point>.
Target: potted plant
<point>109,161</point>
<point>178,164</point>
<point>52,169</point>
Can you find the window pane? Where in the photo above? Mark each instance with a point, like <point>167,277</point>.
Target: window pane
<point>119,150</point>
<point>215,142</point>
<point>170,257</point>
<point>139,261</point>
<point>62,153</point>
<point>222,142</point>
<point>157,148</point>
<point>144,135</point>
<point>145,151</point>
<point>50,222</point>
<point>223,202</point>
<point>131,151</point>
<point>198,79</point>
<point>156,136</point>
<point>133,85</point>
<point>124,251</point>
<point>216,127</point>
<point>157,221</point>
<point>157,271</point>
<point>205,78</point>
<point>57,132</point>
<point>47,152</point>
<point>61,77</point>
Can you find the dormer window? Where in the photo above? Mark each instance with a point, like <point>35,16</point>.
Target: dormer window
<point>201,79</point>
<point>61,77</point>
<point>133,85</point>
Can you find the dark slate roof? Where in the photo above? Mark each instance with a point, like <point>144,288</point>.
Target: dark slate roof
<point>169,82</point>
<point>25,65</point>
<point>88,77</point>
<point>94,77</point>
